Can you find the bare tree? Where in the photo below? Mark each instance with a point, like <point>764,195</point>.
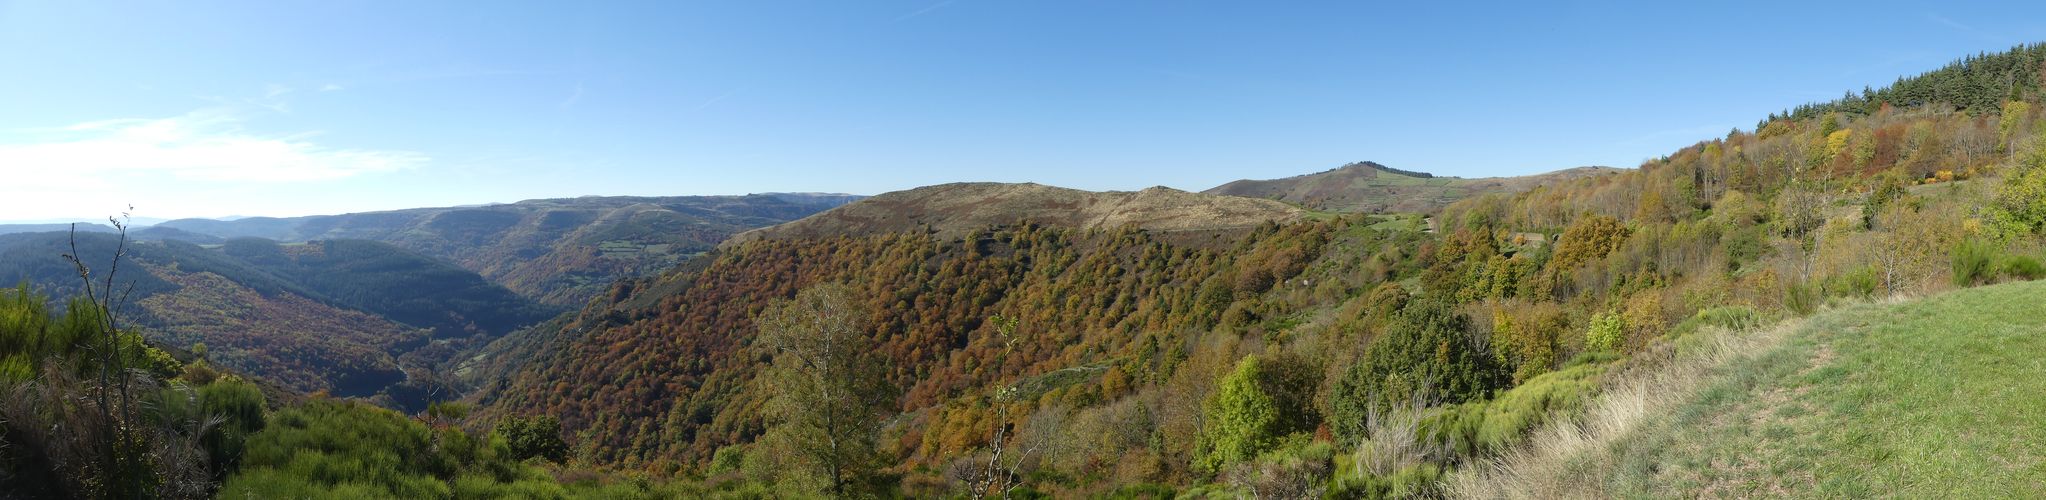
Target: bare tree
<point>1010,451</point>
<point>121,463</point>
<point>1800,211</point>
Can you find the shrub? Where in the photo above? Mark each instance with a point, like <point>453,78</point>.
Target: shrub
<point>1420,481</point>
<point>726,459</point>
<point>1424,353</point>
<point>1801,298</point>
<point>1606,333</point>
<point>1860,282</point>
<point>239,405</point>
<point>1734,318</point>
<point>1298,470</point>
<point>2023,267</point>
<point>1974,263</point>
<point>1242,420</point>
<point>337,449</point>
<point>1477,427</point>
<point>530,437</point>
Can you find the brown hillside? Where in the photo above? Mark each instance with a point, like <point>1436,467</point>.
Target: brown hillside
<point>951,210</point>
<point>1368,187</point>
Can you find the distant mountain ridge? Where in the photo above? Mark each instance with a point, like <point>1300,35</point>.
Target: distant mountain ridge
<point>1369,187</point>
<point>559,251</point>
<point>953,210</point>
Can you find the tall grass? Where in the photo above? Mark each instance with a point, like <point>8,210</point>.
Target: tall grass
<point>1560,460</point>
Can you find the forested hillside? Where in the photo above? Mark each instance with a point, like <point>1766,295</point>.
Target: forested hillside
<point>557,251</point>
<point>1301,356</point>
<point>353,318</point>
<point>976,340</point>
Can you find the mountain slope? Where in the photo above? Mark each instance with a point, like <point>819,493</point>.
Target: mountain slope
<point>661,373</point>
<point>1914,398</point>
<point>349,317</point>
<point>1513,307</point>
<point>297,342</point>
<point>953,210</point>
<point>558,251</point>
<point>1368,187</point>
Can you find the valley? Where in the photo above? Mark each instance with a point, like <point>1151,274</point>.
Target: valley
<point>1839,301</point>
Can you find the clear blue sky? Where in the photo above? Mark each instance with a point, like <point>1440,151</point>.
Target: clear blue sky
<point>290,108</point>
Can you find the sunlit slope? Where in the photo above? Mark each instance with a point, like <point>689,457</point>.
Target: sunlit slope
<point>1369,187</point>
<point>1942,396</point>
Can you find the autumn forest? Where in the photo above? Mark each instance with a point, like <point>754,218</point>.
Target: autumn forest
<point>1286,343</point>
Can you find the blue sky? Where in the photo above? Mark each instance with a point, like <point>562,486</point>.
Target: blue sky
<point>293,108</point>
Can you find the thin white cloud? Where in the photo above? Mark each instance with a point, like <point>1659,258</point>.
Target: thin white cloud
<point>714,100</point>
<point>1964,28</point>
<point>273,98</point>
<point>1950,23</point>
<point>925,10</point>
<point>203,146</point>
<point>573,98</point>
<point>274,90</point>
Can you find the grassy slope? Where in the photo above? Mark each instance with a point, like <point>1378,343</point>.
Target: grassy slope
<point>1939,396</point>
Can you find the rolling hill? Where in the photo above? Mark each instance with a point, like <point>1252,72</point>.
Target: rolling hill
<point>1369,187</point>
<point>937,261</point>
<point>1284,349</point>
<point>349,317</point>
<point>953,210</point>
<point>43,228</point>
<point>557,251</point>
<point>1032,341</point>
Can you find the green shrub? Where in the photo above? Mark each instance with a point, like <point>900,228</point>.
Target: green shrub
<point>1735,318</point>
<point>1242,420</point>
<point>1606,333</point>
<point>1745,245</point>
<point>1974,263</point>
<point>239,405</point>
<point>337,449</point>
<point>1484,426</point>
<point>726,459</point>
<point>1424,351</point>
<point>2023,267</point>
<point>530,437</point>
<point>1801,298</point>
<point>1860,282</point>
<point>1420,481</point>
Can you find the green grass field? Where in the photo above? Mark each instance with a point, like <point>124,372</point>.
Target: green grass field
<point>1937,397</point>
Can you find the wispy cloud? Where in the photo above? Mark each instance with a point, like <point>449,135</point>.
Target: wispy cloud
<point>922,11</point>
<point>714,100</point>
<point>1965,28</point>
<point>458,71</point>
<point>273,98</point>
<point>573,98</point>
<point>1950,22</point>
<point>206,145</point>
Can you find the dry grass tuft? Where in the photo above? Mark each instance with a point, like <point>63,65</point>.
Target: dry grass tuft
<point>1561,459</point>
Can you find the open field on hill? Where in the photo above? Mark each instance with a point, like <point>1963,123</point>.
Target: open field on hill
<point>1914,398</point>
